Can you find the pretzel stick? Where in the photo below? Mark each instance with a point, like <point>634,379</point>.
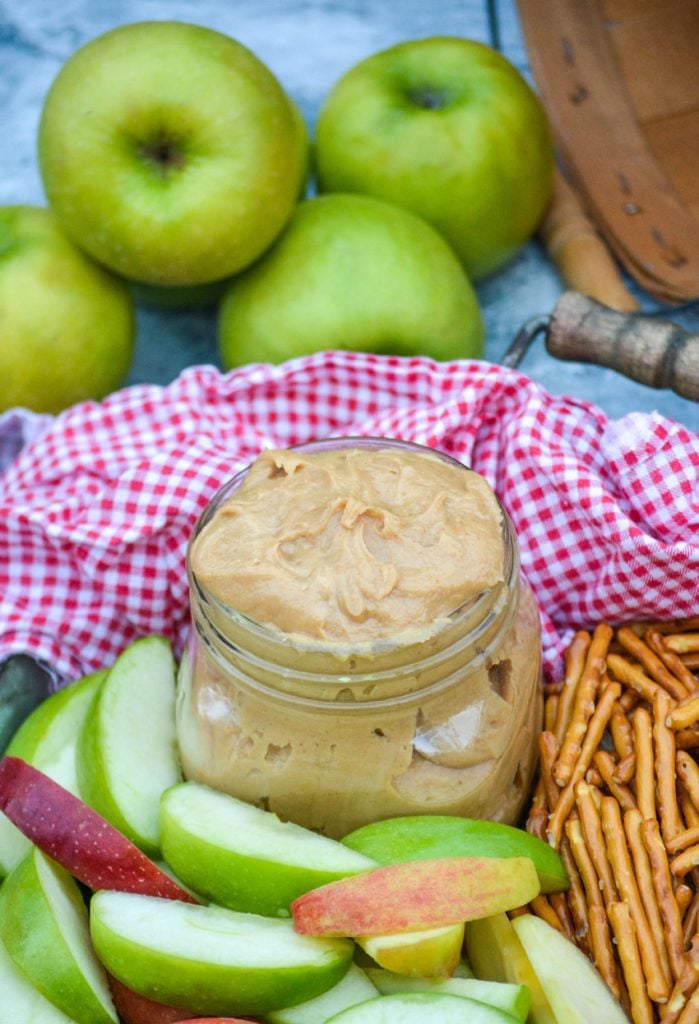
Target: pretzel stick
<point>543,909</point>
<point>682,990</point>
<point>575,662</point>
<point>671,625</point>
<point>653,665</point>
<point>627,947</point>
<point>690,1014</point>
<point>622,733</point>
<point>691,661</point>
<point>584,706</point>
<point>628,701</point>
<point>560,907</point>
<point>620,860</point>
<point>664,741</point>
<point>682,643</point>
<point>683,895</point>
<point>537,821</point>
<point>548,752</point>
<point>625,770</point>
<point>672,661</point>
<point>605,765</point>
<point>596,727</point>
<point>662,883</point>
<point>594,778</point>
<point>686,739</point>
<point>682,840</point>
<point>645,782</point>
<point>576,897</point>
<point>683,863</point>
<point>685,714</point>
<point>688,772</point>
<point>631,675</point>
<point>591,825</point>
<point>689,921</point>
<point>689,811</point>
<point>644,879</point>
<point>550,707</point>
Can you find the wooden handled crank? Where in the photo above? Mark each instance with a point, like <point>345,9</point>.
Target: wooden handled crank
<point>649,350</point>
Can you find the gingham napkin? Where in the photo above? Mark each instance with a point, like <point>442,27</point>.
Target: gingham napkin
<point>97,505</point>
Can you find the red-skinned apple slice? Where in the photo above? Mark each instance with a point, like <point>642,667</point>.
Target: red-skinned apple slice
<point>70,832</point>
<point>137,1009</point>
<point>421,894</point>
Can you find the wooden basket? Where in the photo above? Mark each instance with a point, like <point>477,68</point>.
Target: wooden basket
<point>620,82</point>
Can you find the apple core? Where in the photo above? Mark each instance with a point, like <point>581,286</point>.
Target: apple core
<point>362,643</point>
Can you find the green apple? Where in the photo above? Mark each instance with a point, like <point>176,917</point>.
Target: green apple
<point>448,128</point>
<point>47,739</point>
<point>429,953</point>
<point>244,858</point>
<point>422,1008</point>
<point>424,837</point>
<point>21,1001</point>
<point>496,954</point>
<point>352,272</point>
<point>573,986</point>
<point>44,927</point>
<point>127,749</point>
<point>216,961</point>
<point>512,999</point>
<point>170,152</point>
<point>71,323</point>
<point>354,988</point>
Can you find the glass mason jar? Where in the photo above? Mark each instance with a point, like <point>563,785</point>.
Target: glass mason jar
<point>332,739</point>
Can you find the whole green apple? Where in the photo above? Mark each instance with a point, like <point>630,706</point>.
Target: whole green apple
<point>66,324</point>
<point>170,153</point>
<point>448,128</point>
<point>352,272</point>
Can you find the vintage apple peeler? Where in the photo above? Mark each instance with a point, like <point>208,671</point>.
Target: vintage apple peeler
<point>643,347</point>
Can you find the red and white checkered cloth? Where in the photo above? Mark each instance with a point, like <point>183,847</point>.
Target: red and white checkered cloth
<point>96,509</point>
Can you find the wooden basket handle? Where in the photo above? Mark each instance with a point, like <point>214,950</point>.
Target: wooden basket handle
<point>652,351</point>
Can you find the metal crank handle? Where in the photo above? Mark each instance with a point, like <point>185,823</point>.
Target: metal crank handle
<point>646,349</point>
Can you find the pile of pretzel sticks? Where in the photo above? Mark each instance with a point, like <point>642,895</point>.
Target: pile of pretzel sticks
<point>618,796</point>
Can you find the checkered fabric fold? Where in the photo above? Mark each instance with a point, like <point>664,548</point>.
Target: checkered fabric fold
<point>97,505</point>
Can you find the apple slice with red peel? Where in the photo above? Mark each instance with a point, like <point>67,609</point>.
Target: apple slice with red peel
<point>414,895</point>
<point>136,1009</point>
<point>76,836</point>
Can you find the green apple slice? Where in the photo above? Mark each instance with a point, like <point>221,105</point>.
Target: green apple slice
<point>47,739</point>
<point>216,961</point>
<point>127,750</point>
<point>354,988</point>
<point>496,954</point>
<point>573,986</point>
<point>426,837</point>
<point>44,926</point>
<point>245,858</point>
<point>421,1008</point>
<point>431,952</point>
<point>21,1002</point>
<point>512,999</point>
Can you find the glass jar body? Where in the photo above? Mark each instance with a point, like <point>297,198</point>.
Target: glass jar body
<point>444,723</point>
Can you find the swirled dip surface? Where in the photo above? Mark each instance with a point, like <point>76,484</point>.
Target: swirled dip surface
<point>352,545</point>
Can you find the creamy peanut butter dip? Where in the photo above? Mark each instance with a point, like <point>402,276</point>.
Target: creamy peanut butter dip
<point>362,644</point>
<point>352,545</point>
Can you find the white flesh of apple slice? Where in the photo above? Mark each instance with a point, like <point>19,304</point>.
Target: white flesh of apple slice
<point>218,962</point>
<point>44,925</point>
<point>127,752</point>
<point>574,988</point>
<point>47,739</point>
<point>244,858</point>
<point>354,988</point>
<point>20,1002</point>
<point>421,1008</point>
<point>512,999</point>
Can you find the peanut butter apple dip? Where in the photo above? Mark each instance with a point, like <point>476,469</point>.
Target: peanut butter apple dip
<point>362,645</point>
